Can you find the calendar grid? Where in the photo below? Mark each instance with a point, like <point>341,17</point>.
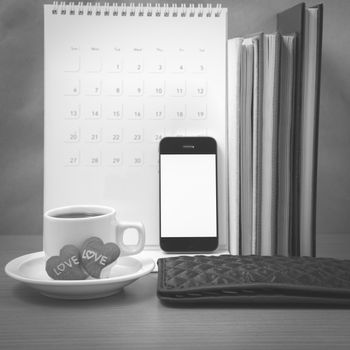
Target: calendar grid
<point>114,87</point>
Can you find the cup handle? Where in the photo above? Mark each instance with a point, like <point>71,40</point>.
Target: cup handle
<point>130,249</point>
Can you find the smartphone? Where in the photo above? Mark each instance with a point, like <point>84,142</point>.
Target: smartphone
<point>188,202</point>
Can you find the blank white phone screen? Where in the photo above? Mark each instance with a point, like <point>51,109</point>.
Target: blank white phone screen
<point>188,195</point>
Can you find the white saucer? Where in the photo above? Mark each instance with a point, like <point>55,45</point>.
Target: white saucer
<point>30,269</point>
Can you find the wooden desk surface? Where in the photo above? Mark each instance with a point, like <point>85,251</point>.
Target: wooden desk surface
<point>135,319</point>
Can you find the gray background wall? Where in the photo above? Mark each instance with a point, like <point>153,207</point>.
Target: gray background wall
<point>21,108</point>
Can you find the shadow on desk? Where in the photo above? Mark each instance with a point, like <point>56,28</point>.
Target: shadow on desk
<point>124,298</point>
<point>250,305</point>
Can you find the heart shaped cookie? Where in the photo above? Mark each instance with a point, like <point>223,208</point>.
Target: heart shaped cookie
<point>96,255</point>
<point>67,265</point>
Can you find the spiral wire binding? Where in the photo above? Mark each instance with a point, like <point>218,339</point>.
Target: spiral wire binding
<point>133,10</point>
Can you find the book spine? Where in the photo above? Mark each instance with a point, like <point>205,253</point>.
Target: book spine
<point>257,141</point>
<point>286,112</point>
<point>255,146</point>
<point>246,100</point>
<point>275,100</point>
<point>234,62</point>
<point>309,130</point>
<point>269,144</point>
<point>317,118</point>
<point>295,225</point>
<point>292,21</point>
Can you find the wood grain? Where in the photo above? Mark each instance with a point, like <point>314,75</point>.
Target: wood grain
<point>135,319</point>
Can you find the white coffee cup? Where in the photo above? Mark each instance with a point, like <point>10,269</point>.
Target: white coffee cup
<point>75,224</point>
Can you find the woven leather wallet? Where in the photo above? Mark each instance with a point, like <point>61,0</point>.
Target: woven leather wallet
<point>253,279</point>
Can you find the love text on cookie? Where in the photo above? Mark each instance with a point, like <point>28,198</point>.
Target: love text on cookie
<point>94,256</point>
<point>73,260</point>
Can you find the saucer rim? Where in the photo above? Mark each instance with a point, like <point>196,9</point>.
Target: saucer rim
<point>12,267</point>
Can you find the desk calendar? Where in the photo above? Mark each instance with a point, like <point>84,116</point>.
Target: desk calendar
<point>117,79</point>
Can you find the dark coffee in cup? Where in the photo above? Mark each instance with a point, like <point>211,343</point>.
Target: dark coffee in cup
<point>74,224</point>
<point>76,215</point>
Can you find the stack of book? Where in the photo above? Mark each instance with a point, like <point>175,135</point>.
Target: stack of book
<point>273,108</point>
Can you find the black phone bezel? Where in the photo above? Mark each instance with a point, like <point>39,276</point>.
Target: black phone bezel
<point>188,145</point>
